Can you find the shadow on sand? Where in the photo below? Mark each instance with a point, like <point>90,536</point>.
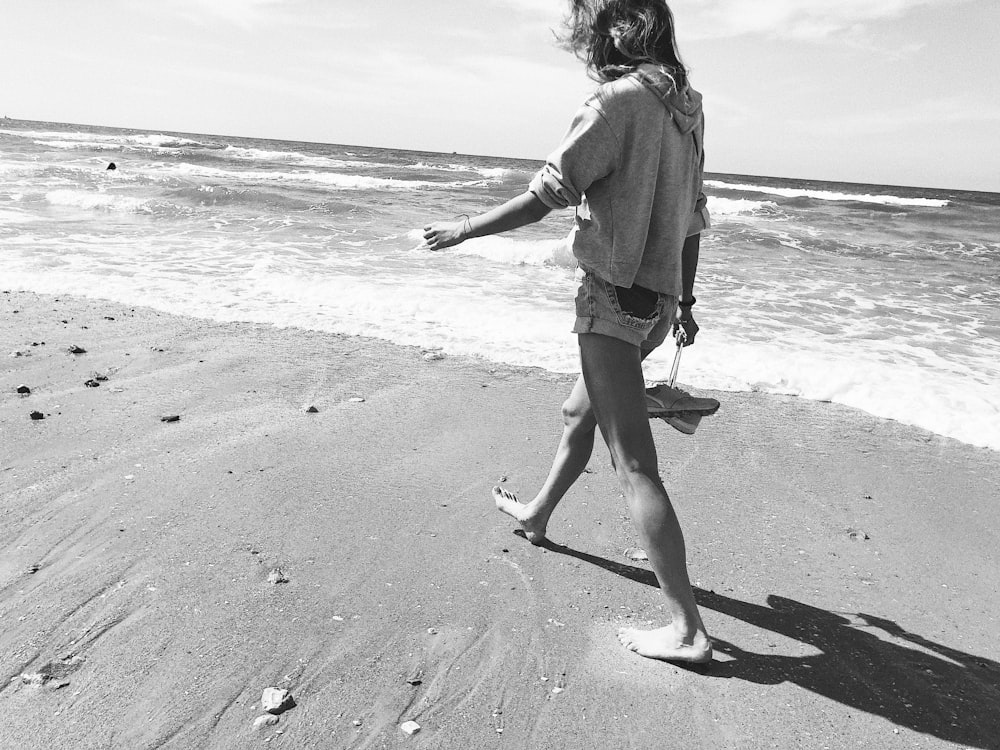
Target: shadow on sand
<point>911,681</point>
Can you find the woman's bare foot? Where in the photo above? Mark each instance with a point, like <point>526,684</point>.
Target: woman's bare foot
<point>667,645</point>
<point>507,502</point>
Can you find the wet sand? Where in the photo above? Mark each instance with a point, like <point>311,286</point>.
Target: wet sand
<point>846,566</point>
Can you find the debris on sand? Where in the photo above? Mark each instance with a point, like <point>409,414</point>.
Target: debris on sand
<point>36,415</point>
<point>276,700</point>
<point>857,535</point>
<point>312,410</point>
<point>276,576</point>
<point>23,389</point>
<point>433,356</point>
<point>416,677</point>
<point>636,553</point>
<point>410,727</point>
<point>171,418</point>
<point>356,400</point>
<point>265,720</point>
<point>74,349</point>
<point>53,671</point>
<point>92,383</point>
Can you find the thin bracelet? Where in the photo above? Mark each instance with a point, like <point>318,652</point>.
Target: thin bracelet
<point>682,303</point>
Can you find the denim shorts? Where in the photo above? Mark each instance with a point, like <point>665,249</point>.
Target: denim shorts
<point>635,314</point>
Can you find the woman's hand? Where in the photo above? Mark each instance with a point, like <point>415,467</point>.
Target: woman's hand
<point>687,322</point>
<point>444,234</point>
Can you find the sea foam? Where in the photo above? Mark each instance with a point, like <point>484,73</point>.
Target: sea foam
<point>828,195</point>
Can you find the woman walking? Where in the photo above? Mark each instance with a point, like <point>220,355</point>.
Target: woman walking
<point>631,164</point>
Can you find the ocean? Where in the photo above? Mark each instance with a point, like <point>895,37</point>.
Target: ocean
<point>881,298</point>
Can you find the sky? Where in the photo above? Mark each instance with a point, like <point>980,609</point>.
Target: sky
<point>896,92</point>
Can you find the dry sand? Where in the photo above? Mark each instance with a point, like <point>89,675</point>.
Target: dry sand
<point>136,609</point>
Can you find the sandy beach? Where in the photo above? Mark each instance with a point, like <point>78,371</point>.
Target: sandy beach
<point>157,575</point>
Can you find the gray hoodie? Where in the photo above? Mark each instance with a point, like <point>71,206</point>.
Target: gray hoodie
<point>631,162</point>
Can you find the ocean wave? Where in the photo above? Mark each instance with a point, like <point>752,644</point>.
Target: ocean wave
<point>911,390</point>
<point>91,145</point>
<point>327,179</point>
<point>741,207</point>
<point>93,201</point>
<point>297,159</point>
<point>511,252</point>
<point>8,217</point>
<point>828,195</point>
<point>489,173</point>
<point>85,139</point>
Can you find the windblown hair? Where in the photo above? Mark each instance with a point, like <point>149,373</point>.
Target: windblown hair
<point>614,37</point>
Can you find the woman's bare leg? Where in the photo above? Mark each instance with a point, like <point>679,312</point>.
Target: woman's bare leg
<point>612,372</point>
<point>572,456</point>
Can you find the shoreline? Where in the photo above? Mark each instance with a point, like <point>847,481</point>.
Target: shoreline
<point>843,562</point>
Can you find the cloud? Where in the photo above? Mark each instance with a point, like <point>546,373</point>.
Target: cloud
<point>254,14</point>
<point>544,8</point>
<point>790,19</point>
<point>936,113</point>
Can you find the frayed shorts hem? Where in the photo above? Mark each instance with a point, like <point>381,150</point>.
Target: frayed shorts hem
<point>637,316</point>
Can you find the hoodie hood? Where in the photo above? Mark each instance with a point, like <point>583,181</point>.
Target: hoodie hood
<point>683,103</point>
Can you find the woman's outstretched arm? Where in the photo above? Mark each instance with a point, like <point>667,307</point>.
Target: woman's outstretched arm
<point>517,212</point>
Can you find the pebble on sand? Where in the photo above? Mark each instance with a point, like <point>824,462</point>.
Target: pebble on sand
<point>635,553</point>
<point>74,349</point>
<point>276,700</point>
<point>312,410</point>
<point>171,418</point>
<point>36,415</point>
<point>265,720</point>
<point>92,383</point>
<point>410,727</point>
<point>356,400</point>
<point>23,389</point>
<point>276,576</point>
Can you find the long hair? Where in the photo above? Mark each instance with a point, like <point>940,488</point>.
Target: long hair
<point>614,37</point>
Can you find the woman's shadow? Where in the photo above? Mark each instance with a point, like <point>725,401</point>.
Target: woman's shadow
<point>909,680</point>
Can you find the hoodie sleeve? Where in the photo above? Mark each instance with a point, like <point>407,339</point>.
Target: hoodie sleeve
<point>588,152</point>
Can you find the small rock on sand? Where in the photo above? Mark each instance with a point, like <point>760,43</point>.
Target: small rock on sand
<point>23,389</point>
<point>171,418</point>
<point>356,400</point>
<point>276,700</point>
<point>276,576</point>
<point>410,727</point>
<point>312,410</point>
<point>36,415</point>
<point>265,720</point>
<point>92,383</point>
<point>857,535</point>
<point>433,356</point>
<point>636,553</point>
<point>74,349</point>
